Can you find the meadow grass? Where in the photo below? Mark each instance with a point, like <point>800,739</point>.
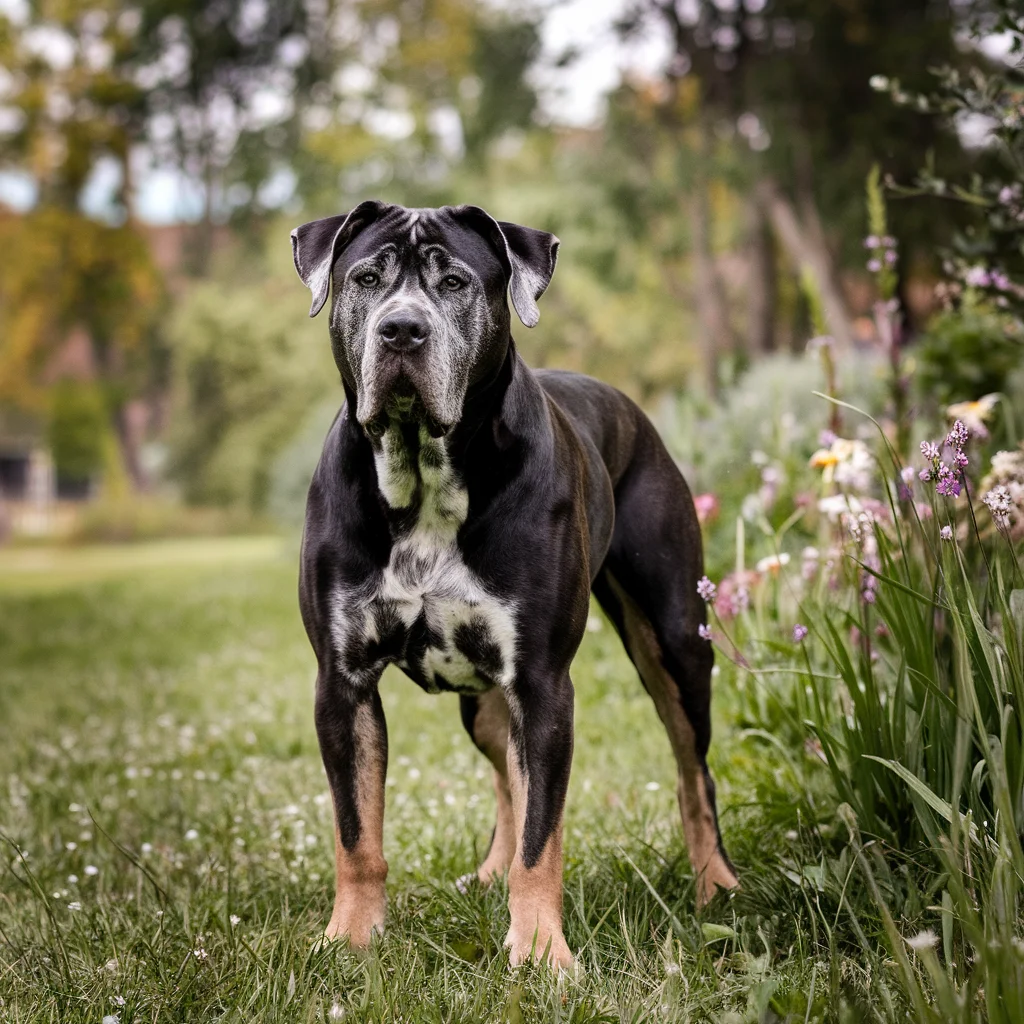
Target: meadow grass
<point>165,829</point>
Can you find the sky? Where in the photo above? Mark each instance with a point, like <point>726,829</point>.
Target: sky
<point>572,95</point>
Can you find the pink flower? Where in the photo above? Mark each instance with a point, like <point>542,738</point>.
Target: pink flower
<point>946,533</point>
<point>704,632</point>
<point>799,632</point>
<point>707,507</point>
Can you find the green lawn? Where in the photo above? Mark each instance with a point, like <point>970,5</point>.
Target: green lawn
<point>166,829</point>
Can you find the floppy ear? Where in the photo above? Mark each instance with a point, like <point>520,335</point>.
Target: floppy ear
<point>528,256</point>
<point>316,245</point>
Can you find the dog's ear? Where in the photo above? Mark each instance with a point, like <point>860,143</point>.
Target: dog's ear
<point>528,256</point>
<point>316,245</point>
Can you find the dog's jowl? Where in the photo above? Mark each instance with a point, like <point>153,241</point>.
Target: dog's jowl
<point>463,510</point>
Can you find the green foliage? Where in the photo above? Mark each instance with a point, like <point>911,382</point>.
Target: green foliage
<point>78,428</point>
<point>248,367</point>
<point>966,354</point>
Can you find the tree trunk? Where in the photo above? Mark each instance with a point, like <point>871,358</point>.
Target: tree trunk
<point>805,243</point>
<point>762,292</point>
<point>710,311</point>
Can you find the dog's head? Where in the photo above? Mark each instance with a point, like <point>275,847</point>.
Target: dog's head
<point>418,313</point>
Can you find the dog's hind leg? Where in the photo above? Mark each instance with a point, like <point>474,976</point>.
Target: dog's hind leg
<point>486,720</point>
<point>648,587</point>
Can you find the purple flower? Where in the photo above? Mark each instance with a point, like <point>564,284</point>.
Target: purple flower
<point>1006,195</point>
<point>907,475</point>
<point>930,450</point>
<point>958,436</point>
<point>704,632</point>
<point>799,632</point>
<point>826,439</point>
<point>888,242</point>
<point>707,590</point>
<point>874,266</point>
<point>1000,281</point>
<point>925,475</point>
<point>948,484</point>
<point>946,533</point>
<point>890,257</point>
<point>960,459</point>
<point>871,242</point>
<point>869,596</point>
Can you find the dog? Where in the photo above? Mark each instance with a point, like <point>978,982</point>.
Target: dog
<point>463,510</point>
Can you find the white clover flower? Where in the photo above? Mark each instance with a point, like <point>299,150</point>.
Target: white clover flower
<point>235,920</point>
<point>91,870</point>
<point>74,905</point>
<point>191,835</point>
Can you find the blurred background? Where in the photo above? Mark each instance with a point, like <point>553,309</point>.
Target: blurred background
<point>731,180</point>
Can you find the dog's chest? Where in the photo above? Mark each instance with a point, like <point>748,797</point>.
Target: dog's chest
<point>428,612</point>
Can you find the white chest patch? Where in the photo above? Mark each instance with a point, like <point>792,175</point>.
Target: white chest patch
<point>428,611</point>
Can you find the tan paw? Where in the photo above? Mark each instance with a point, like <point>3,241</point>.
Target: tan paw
<point>358,925</point>
<point>714,877</point>
<point>550,948</point>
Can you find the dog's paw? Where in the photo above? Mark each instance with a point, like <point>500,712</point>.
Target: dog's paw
<point>550,949</point>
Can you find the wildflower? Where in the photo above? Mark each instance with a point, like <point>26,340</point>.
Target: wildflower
<point>72,879</point>
<point>706,589</point>
<point>958,435</point>
<point>874,266</point>
<point>91,870</point>
<point>836,505</point>
<point>947,484</point>
<point>111,1018</point>
<point>925,475</point>
<point>879,83</point>
<point>191,835</point>
<point>890,257</point>
<point>74,905</point>
<point>946,533</point>
<point>977,277</point>
<point>147,847</point>
<point>974,415</point>
<point>706,506</point>
<point>772,563</point>
<point>741,600</point>
<point>652,787</point>
<point>1000,281</point>
<point>336,1012</point>
<point>923,940</point>
<point>1000,504</point>
<point>872,242</point>
<point>930,450</point>
<point>826,438</point>
<point>704,631</point>
<point>799,632</point>
<point>868,595</point>
<point>234,919</point>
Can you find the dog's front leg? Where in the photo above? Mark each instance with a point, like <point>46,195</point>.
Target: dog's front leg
<point>354,745</point>
<point>539,758</point>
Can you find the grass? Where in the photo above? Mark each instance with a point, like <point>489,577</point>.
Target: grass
<point>165,829</point>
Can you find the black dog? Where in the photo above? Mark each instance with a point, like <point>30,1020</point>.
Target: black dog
<point>463,509</point>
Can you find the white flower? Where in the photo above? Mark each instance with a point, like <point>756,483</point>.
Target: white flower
<point>336,1012</point>
<point>772,563</point>
<point>91,870</point>
<point>836,504</point>
<point>74,905</point>
<point>879,83</point>
<point>191,835</point>
<point>112,1018</point>
<point>923,940</point>
<point>234,919</point>
<point>652,787</point>
<point>946,533</point>
<point>72,879</point>
<point>147,847</point>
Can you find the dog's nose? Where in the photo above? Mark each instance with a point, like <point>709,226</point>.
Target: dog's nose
<point>404,331</point>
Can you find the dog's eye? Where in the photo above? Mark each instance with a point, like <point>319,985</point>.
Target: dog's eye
<point>369,279</point>
<point>453,283</point>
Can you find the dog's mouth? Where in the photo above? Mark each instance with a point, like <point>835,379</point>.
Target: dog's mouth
<point>403,403</point>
